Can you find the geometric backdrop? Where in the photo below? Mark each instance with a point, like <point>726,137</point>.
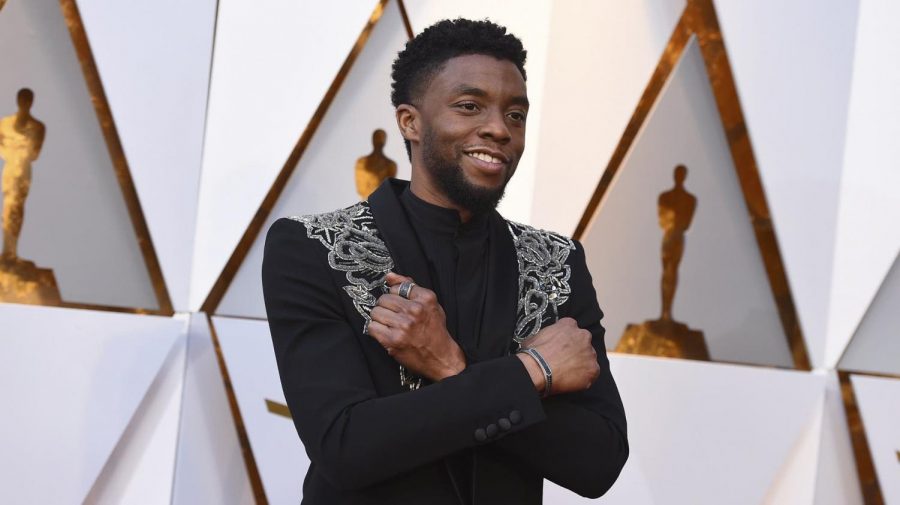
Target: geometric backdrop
<point>188,130</point>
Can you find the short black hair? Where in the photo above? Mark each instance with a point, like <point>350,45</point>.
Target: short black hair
<point>425,55</point>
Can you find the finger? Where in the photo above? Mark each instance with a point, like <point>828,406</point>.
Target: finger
<point>395,288</point>
<point>395,279</point>
<point>393,302</point>
<point>381,333</point>
<point>388,318</point>
<point>417,293</point>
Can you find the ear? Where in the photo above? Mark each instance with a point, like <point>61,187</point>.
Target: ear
<point>408,121</point>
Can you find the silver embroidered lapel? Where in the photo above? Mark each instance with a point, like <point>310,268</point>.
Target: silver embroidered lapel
<point>354,247</point>
<point>543,277</point>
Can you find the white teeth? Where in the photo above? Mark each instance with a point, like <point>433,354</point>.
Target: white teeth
<point>485,157</point>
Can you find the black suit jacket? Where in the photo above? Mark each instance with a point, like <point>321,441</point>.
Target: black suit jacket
<point>373,441</point>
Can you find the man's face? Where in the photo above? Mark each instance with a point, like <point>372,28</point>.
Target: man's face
<point>473,129</point>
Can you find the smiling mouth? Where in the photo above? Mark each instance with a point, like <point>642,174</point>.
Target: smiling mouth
<point>487,158</point>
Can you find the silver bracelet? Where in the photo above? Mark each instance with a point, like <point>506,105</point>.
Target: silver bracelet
<point>545,368</point>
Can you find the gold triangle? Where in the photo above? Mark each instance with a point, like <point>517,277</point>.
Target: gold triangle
<point>240,252</point>
<point>699,20</point>
<point>21,280</point>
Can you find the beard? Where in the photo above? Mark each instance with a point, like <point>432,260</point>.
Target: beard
<point>449,177</point>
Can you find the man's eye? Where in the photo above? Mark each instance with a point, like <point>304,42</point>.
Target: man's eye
<point>469,106</point>
<point>517,116</point>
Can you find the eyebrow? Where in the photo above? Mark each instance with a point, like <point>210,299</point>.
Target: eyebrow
<point>466,89</point>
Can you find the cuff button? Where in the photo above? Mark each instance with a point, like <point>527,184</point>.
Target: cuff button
<point>491,430</point>
<point>504,423</point>
<point>480,435</point>
<point>515,417</point>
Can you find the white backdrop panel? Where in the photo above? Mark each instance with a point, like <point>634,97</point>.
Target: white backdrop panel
<point>599,58</point>
<point>868,238</point>
<point>279,454</point>
<point>875,346</point>
<point>324,178</point>
<point>72,379</point>
<point>721,267</point>
<point>795,481</point>
<point>792,63</point>
<point>155,70</point>
<point>210,467</point>
<point>76,222</point>
<point>837,482</point>
<point>141,468</point>
<point>530,22</point>
<point>273,63</point>
<point>712,433</point>
<point>878,399</point>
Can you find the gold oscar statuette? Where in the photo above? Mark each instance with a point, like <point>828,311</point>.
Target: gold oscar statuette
<point>373,169</point>
<point>665,336</point>
<point>21,139</point>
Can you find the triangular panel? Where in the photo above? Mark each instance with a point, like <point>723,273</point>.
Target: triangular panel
<point>837,482</point>
<point>82,240</point>
<point>73,380</point>
<point>157,90</point>
<point>878,400</point>
<point>273,63</point>
<point>875,346</point>
<point>677,236</point>
<point>867,236</point>
<point>324,178</point>
<point>736,426</point>
<point>795,481</point>
<point>277,450</point>
<point>210,467</point>
<point>141,468</point>
<point>795,68</point>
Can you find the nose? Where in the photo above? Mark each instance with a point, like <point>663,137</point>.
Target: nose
<point>495,128</point>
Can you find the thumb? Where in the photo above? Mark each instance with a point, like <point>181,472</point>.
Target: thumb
<point>393,279</point>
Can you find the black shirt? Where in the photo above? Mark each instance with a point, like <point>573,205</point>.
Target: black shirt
<point>457,255</point>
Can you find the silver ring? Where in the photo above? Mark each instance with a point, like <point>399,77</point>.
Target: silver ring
<point>405,289</point>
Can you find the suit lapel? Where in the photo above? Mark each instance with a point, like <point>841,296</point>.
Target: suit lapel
<point>398,234</point>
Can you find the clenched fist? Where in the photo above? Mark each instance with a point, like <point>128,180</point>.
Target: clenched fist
<point>568,350</point>
<point>414,331</point>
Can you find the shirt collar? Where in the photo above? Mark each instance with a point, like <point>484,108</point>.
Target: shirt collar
<point>440,220</point>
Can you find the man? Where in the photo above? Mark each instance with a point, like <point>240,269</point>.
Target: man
<point>396,322</point>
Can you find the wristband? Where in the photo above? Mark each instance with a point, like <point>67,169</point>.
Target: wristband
<point>542,363</point>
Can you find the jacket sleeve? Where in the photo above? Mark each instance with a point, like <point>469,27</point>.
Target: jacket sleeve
<point>583,444</point>
<point>355,437</point>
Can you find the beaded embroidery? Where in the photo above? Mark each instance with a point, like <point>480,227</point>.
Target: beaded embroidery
<point>354,247</point>
<point>543,277</point>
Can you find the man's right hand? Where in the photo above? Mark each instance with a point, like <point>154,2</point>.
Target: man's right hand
<point>568,350</point>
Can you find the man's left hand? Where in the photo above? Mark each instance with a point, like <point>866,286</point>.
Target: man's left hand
<point>414,331</point>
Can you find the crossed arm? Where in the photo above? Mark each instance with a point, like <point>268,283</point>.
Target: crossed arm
<point>358,438</point>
